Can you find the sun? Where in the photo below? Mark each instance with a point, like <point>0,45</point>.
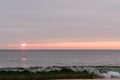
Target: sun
<point>23,45</point>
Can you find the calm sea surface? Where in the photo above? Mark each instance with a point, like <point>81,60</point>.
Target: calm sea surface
<point>32,58</point>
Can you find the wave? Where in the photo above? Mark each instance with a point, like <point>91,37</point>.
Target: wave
<point>62,72</point>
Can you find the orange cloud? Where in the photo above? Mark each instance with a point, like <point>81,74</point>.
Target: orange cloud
<point>71,45</point>
<point>78,45</point>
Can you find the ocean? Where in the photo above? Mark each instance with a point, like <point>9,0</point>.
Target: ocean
<point>31,58</point>
<point>103,63</point>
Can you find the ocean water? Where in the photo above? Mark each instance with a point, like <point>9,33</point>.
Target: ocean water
<point>32,58</point>
<point>103,63</point>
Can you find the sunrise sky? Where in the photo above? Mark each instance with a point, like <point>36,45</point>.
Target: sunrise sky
<point>59,24</point>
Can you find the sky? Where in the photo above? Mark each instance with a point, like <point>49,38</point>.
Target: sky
<point>59,24</point>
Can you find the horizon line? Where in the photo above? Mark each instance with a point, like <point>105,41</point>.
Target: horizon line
<point>61,49</point>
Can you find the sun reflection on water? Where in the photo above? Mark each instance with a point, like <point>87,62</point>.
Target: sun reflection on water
<point>24,59</point>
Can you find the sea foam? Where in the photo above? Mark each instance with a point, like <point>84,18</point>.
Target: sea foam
<point>111,74</point>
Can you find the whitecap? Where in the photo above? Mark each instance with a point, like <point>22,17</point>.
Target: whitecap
<point>111,74</point>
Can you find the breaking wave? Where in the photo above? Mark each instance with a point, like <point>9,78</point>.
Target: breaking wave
<point>64,72</point>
